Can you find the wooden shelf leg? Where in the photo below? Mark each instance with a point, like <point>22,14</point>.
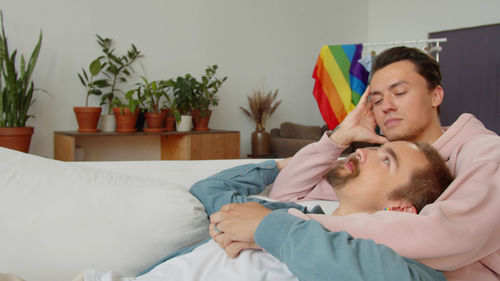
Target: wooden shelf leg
<point>64,147</point>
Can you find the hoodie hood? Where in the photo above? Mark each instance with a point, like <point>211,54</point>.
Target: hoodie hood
<point>462,132</point>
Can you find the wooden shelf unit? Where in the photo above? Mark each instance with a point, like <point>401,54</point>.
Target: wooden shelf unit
<point>192,145</point>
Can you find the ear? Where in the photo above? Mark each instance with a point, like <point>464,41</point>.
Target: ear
<point>437,96</point>
<point>403,206</point>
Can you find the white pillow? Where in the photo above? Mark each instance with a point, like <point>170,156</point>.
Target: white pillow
<point>58,218</point>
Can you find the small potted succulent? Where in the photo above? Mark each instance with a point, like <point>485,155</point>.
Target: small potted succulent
<point>126,112</point>
<point>16,95</point>
<point>151,93</point>
<point>86,116</point>
<point>206,98</point>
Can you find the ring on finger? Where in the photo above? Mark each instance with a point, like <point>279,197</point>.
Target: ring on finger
<point>217,230</point>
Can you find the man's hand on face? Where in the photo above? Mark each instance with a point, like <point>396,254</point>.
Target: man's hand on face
<point>359,125</point>
<point>234,226</point>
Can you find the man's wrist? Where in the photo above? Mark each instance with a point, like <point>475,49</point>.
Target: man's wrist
<point>272,230</point>
<point>340,137</point>
<point>280,164</point>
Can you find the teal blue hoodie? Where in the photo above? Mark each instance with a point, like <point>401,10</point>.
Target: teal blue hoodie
<point>310,251</point>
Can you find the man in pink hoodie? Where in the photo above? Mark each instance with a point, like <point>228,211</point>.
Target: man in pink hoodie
<point>460,232</point>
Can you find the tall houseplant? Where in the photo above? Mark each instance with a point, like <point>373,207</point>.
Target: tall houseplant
<point>118,69</point>
<point>88,117</point>
<point>16,95</point>
<point>206,98</point>
<point>261,107</point>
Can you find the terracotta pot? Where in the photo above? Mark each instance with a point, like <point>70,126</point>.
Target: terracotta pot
<point>87,118</point>
<point>17,138</point>
<point>170,124</point>
<point>167,112</point>
<point>125,122</point>
<point>154,121</point>
<point>201,119</point>
<point>169,119</point>
<point>260,142</point>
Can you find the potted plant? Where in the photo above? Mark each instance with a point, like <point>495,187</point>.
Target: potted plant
<point>151,94</point>
<point>126,112</point>
<point>261,107</point>
<point>170,109</point>
<point>206,98</point>
<point>16,93</point>
<point>118,69</point>
<point>88,117</point>
<point>184,90</point>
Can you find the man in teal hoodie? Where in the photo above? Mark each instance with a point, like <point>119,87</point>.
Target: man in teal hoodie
<point>369,180</point>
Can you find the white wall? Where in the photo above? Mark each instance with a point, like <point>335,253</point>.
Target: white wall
<point>260,42</point>
<point>391,20</point>
<point>273,43</point>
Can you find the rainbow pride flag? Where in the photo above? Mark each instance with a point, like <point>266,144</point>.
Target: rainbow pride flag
<point>340,81</point>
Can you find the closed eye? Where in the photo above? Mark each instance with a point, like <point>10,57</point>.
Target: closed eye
<point>377,101</point>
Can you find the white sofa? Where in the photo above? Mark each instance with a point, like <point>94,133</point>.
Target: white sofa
<point>57,218</point>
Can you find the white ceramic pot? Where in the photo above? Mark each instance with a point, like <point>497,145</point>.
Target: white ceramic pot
<point>108,123</point>
<point>186,123</point>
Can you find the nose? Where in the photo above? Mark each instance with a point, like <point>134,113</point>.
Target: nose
<point>360,155</point>
<point>388,104</point>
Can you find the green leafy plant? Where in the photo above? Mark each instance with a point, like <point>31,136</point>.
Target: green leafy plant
<point>171,103</point>
<point>208,88</point>
<point>185,91</point>
<point>16,88</point>
<point>152,92</point>
<point>132,101</point>
<point>118,68</point>
<point>93,87</point>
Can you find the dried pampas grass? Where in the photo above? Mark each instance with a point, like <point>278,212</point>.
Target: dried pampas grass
<point>261,106</point>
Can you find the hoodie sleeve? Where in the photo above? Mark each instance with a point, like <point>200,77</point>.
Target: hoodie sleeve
<point>234,185</point>
<point>337,255</point>
<point>302,178</point>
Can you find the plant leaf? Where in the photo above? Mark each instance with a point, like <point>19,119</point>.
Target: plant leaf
<point>95,67</point>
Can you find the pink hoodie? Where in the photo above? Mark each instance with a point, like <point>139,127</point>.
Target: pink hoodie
<point>458,234</point>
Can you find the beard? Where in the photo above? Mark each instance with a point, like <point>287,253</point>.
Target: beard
<point>409,134</point>
<point>337,177</point>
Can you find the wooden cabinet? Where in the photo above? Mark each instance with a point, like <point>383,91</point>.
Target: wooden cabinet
<point>193,145</point>
<point>201,146</point>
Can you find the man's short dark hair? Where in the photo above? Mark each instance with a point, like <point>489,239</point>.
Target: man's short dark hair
<point>426,184</point>
<point>425,65</point>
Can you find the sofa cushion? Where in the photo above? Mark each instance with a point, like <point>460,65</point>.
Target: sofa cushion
<point>58,218</point>
<point>297,131</point>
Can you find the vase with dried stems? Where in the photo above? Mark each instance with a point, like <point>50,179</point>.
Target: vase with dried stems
<point>261,107</point>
